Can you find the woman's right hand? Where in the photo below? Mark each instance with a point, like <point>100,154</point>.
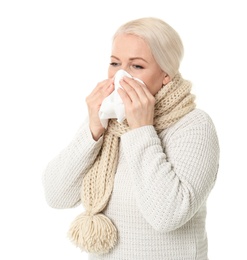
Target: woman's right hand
<point>94,101</point>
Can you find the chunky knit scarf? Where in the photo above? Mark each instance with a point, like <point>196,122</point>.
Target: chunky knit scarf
<point>92,231</point>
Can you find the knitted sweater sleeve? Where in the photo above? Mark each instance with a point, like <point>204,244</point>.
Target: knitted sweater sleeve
<point>172,177</point>
<point>63,175</point>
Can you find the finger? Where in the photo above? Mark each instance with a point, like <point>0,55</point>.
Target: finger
<point>140,90</point>
<point>125,97</point>
<point>140,86</point>
<point>103,85</point>
<point>108,90</point>
<point>130,91</point>
<point>99,94</point>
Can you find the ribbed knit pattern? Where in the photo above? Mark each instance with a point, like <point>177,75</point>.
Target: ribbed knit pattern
<point>158,203</point>
<point>92,231</point>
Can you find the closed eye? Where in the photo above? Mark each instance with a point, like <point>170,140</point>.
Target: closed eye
<point>137,66</point>
<point>114,64</point>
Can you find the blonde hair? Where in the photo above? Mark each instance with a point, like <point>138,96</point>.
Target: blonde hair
<point>163,41</point>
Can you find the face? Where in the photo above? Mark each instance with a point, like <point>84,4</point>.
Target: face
<point>132,54</point>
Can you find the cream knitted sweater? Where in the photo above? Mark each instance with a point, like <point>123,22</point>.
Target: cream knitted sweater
<point>161,186</point>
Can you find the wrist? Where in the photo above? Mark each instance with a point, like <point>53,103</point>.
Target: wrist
<point>97,132</point>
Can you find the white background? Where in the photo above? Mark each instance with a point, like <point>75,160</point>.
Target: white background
<point>52,54</point>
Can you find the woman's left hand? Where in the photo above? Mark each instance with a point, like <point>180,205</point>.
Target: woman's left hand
<point>138,101</point>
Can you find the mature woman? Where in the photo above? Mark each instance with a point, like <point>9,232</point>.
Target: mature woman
<point>143,181</point>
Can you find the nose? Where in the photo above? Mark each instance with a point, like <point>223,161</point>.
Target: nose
<point>126,68</point>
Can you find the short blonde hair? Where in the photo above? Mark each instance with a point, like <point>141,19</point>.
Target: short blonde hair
<point>163,41</point>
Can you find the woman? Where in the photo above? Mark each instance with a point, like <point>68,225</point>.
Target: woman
<point>143,182</point>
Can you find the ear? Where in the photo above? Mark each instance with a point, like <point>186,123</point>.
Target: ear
<point>166,79</point>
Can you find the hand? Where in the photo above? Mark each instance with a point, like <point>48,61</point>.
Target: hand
<point>94,101</point>
<point>138,101</point>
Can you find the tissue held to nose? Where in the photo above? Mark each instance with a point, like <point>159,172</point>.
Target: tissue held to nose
<point>112,106</point>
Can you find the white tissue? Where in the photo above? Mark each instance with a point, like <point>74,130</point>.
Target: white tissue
<point>112,106</point>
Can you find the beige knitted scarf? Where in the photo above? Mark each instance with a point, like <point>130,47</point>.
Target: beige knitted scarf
<point>92,231</point>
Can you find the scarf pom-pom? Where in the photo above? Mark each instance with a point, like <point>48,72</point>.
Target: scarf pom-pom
<point>93,233</point>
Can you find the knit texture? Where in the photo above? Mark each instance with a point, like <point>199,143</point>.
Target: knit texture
<point>160,188</point>
<point>92,231</point>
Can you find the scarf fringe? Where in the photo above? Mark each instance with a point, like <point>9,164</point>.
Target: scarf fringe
<point>93,233</point>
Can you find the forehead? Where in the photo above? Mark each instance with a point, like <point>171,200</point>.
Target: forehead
<point>131,45</point>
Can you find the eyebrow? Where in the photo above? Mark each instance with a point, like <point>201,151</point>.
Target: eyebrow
<point>133,58</point>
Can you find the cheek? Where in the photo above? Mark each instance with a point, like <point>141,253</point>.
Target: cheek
<point>111,72</point>
<point>154,80</point>
<point>154,86</point>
